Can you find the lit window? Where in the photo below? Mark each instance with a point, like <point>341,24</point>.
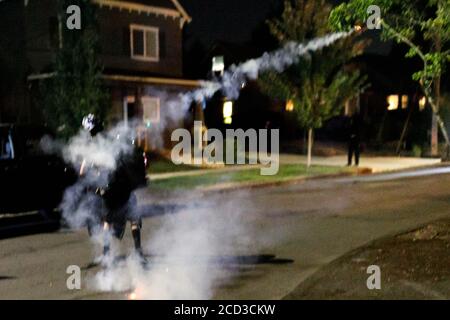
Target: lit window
<point>228,112</point>
<point>290,106</point>
<point>392,101</point>
<point>422,103</point>
<point>218,64</point>
<point>405,101</point>
<point>151,112</point>
<point>144,43</point>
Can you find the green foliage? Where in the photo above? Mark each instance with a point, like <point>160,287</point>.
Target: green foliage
<point>300,22</point>
<point>424,25</point>
<point>76,88</point>
<point>351,13</point>
<point>320,83</point>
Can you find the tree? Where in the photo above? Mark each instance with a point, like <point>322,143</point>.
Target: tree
<point>75,89</point>
<point>424,26</point>
<point>320,83</point>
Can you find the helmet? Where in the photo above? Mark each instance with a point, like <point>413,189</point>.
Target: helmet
<point>92,124</point>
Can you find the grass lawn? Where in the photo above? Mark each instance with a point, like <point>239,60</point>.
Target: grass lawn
<point>285,172</point>
<point>165,166</point>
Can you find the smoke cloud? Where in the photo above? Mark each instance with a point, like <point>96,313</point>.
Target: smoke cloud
<point>97,157</point>
<point>187,255</point>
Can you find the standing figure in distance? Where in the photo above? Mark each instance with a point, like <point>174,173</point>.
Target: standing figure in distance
<point>354,139</point>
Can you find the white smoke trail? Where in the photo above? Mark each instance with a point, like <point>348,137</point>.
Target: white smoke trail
<point>278,61</point>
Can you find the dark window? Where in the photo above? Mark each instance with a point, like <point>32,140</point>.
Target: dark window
<point>138,42</point>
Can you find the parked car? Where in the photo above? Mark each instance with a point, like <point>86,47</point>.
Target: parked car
<point>30,179</point>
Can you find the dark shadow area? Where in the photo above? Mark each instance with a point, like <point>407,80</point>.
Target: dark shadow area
<point>7,278</point>
<point>90,266</point>
<point>17,226</point>
<point>251,260</point>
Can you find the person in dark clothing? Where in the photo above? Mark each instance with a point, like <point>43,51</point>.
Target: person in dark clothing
<point>118,201</point>
<point>354,140</point>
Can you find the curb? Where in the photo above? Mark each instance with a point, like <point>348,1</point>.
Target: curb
<point>259,185</point>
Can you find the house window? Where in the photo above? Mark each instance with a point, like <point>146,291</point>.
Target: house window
<point>218,65</point>
<point>289,106</point>
<point>392,101</point>
<point>144,43</point>
<point>228,112</point>
<point>422,103</point>
<point>151,110</point>
<point>405,101</point>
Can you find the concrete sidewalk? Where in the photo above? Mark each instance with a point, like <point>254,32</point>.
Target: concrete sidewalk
<point>374,164</point>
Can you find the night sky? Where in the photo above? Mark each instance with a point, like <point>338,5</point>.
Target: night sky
<point>226,20</point>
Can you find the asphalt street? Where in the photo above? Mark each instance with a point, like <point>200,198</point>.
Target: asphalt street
<point>258,243</point>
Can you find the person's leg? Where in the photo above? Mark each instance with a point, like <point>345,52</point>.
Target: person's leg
<point>114,227</point>
<point>106,238</point>
<point>136,232</point>
<point>357,150</point>
<point>350,153</point>
<point>132,215</point>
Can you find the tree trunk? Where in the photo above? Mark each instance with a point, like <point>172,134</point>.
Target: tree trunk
<point>437,95</point>
<point>438,118</point>
<point>434,122</point>
<point>310,145</point>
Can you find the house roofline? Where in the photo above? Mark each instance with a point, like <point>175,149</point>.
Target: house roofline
<point>138,7</point>
<point>124,78</point>
<point>154,80</point>
<point>183,12</point>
